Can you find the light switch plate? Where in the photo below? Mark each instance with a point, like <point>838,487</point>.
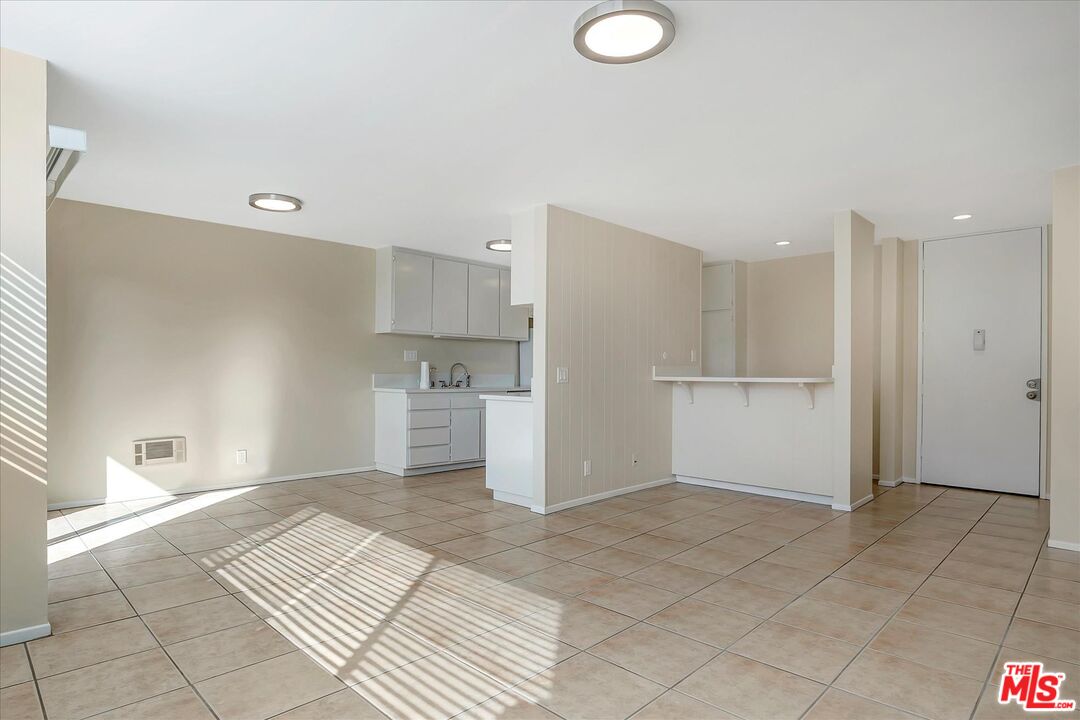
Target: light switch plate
<point>410,356</point>
<point>587,470</point>
<point>562,375</point>
<point>241,457</point>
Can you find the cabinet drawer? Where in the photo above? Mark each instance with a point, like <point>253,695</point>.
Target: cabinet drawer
<point>429,455</point>
<point>430,401</point>
<point>429,418</point>
<point>422,437</point>
<point>466,400</point>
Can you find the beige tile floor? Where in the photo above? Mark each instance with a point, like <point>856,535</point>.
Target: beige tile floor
<point>370,596</point>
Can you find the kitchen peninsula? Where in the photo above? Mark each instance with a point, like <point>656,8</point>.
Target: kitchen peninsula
<point>768,435</point>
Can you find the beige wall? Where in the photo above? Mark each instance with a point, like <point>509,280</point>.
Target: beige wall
<point>617,300</point>
<point>790,326</point>
<point>1064,386</point>
<point>234,338</point>
<point>23,432</point>
<point>910,354</point>
<point>888,453</point>
<point>854,354</point>
<point>789,307</point>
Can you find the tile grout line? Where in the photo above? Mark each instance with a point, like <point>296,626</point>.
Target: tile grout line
<point>462,595</point>
<point>911,595</point>
<point>34,679</point>
<point>285,559</point>
<point>161,647</point>
<point>1005,635</point>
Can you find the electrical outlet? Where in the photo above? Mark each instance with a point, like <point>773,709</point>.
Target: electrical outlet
<point>588,468</point>
<point>410,356</point>
<point>633,459</point>
<point>562,375</point>
<point>241,457</point>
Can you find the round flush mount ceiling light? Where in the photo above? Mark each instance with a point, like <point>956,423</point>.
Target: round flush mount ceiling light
<point>783,242</point>
<point>502,245</point>
<point>624,31</point>
<point>274,202</point>
<point>962,216</point>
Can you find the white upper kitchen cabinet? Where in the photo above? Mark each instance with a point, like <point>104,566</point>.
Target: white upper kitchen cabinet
<point>513,321</point>
<point>403,285</point>
<point>418,293</point>
<point>723,319</point>
<point>483,300</point>
<point>717,287</point>
<point>450,297</point>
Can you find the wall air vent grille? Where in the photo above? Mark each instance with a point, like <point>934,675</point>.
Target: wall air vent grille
<point>160,451</point>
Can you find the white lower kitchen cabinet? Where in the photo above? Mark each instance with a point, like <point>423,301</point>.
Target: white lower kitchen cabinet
<point>424,432</point>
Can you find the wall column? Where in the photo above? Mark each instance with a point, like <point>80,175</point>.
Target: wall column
<point>890,465</point>
<point>853,359</point>
<point>1063,388</point>
<point>23,434</point>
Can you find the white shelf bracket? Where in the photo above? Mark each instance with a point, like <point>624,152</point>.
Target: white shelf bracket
<point>745,392</point>
<point>689,390</point>
<point>809,388</point>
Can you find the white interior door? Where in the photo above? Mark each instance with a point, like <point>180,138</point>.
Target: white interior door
<point>982,332</point>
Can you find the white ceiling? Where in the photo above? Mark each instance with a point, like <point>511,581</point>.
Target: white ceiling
<point>426,124</point>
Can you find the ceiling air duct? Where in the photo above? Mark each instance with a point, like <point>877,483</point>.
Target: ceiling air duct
<point>66,145</point>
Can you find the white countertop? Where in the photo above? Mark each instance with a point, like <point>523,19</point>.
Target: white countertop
<point>715,379</point>
<point>412,390</point>
<point>508,397</point>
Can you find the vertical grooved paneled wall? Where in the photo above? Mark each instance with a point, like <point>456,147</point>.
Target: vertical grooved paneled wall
<point>617,301</point>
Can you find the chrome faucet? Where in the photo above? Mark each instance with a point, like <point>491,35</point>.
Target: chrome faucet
<point>465,376</point>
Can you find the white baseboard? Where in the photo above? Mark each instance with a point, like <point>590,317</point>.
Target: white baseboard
<point>427,469</point>
<point>207,488</point>
<point>875,476</point>
<point>890,483</point>
<point>855,505</point>
<point>601,496</point>
<point>756,490</point>
<point>21,635</point>
<point>909,480</point>
<point>512,498</point>
<point>1062,545</point>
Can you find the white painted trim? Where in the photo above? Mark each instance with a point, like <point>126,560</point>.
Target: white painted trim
<point>756,490</point>
<point>1044,371</point>
<point>1044,352</point>
<point>911,480</point>
<point>21,635</point>
<point>1062,545</point>
<point>875,476</point>
<point>855,505</point>
<point>207,488</point>
<point>427,469</point>
<point>919,364</point>
<point>512,498</point>
<point>891,483</point>
<point>601,496</point>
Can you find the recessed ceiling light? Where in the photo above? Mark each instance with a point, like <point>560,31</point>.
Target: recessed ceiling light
<point>502,245</point>
<point>962,216</point>
<point>274,202</point>
<point>624,31</point>
<point>783,242</point>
